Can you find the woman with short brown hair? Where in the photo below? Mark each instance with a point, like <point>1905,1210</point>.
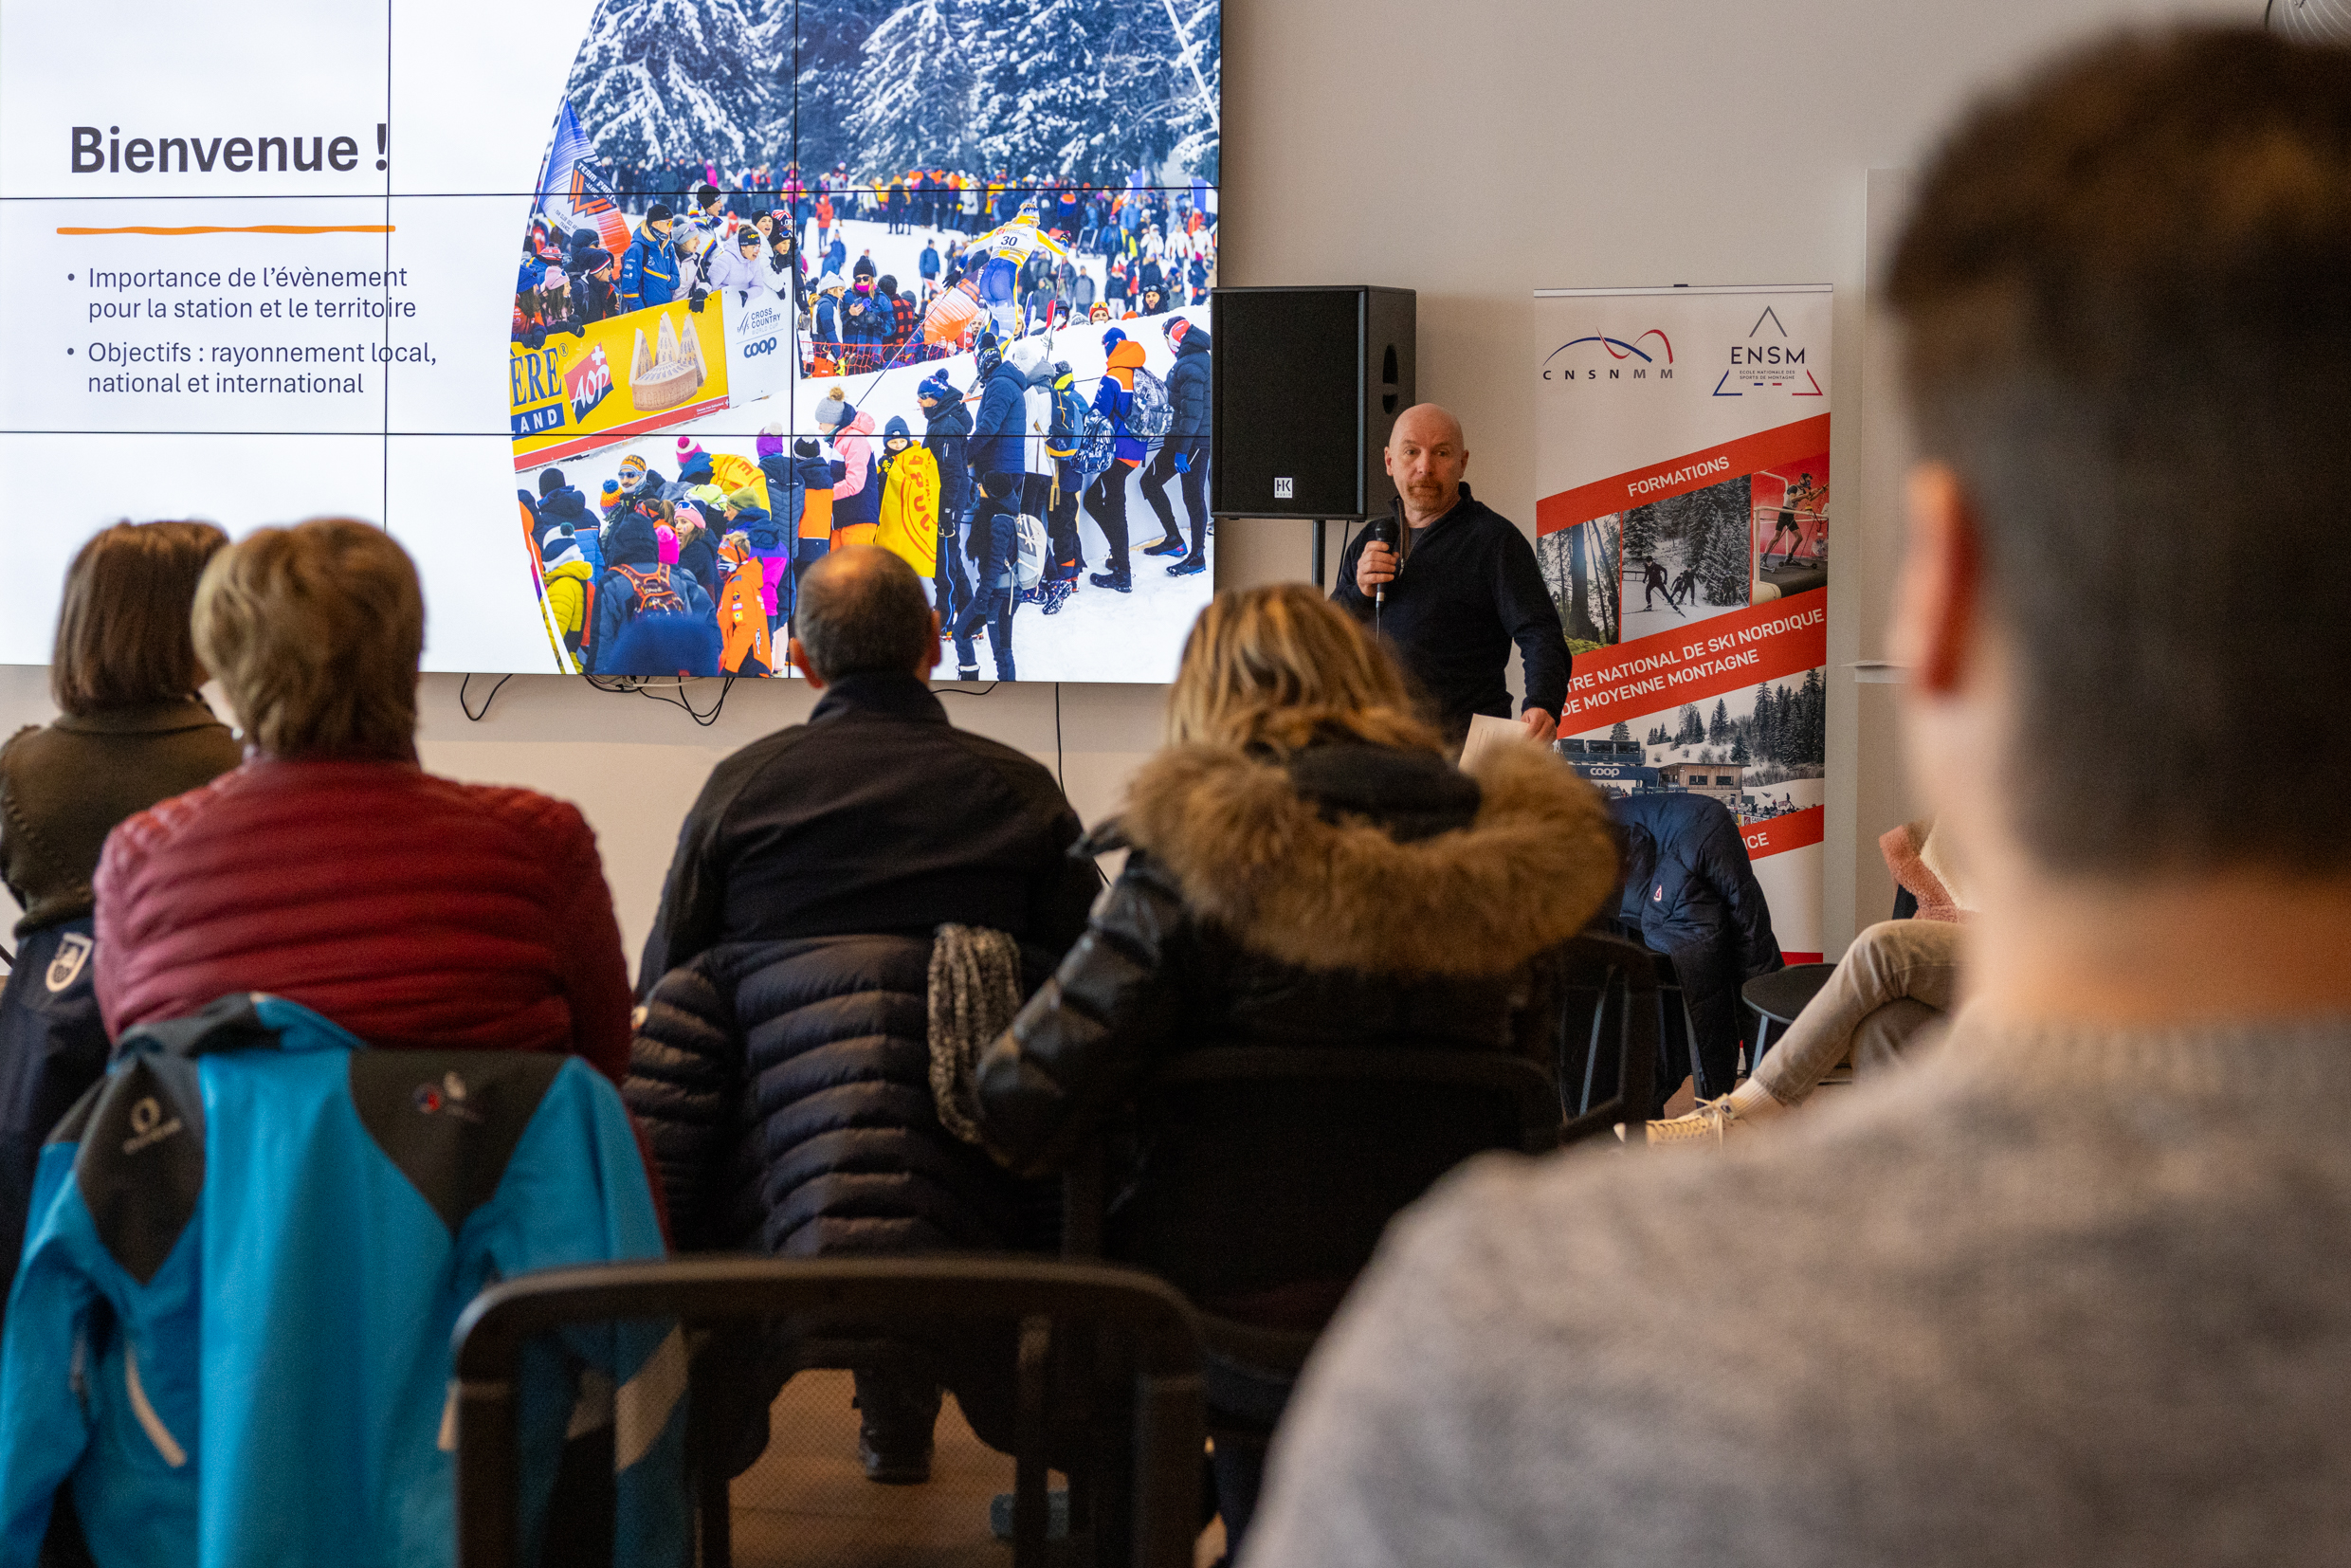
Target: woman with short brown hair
<point>131,731</point>
<point>330,869</point>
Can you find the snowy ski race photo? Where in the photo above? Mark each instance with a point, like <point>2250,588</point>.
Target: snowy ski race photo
<point>928,276</point>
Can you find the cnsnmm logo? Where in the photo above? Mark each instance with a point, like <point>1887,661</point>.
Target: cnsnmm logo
<point>1633,361</point>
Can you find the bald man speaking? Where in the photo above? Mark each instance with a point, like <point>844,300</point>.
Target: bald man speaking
<point>1462,587</point>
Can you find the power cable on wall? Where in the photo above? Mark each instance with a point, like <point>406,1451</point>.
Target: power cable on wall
<point>468,707</point>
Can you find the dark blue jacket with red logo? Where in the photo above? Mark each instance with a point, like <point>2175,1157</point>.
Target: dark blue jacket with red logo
<point>1690,893</point>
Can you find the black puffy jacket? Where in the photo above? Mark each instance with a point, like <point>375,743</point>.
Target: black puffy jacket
<point>1690,893</point>
<point>785,1089</point>
<point>1352,896</point>
<point>947,437</point>
<point>1188,387</point>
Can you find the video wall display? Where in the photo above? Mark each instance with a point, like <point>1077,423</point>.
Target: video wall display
<point>930,276</point>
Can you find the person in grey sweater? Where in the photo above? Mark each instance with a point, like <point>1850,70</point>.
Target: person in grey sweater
<point>2074,1289</point>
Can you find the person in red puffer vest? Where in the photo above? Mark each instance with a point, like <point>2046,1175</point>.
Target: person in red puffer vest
<point>329,868</point>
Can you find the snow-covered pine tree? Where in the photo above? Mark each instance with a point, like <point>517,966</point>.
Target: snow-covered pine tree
<point>1720,534</point>
<point>1693,730</point>
<point>1766,722</point>
<point>1161,70</point>
<point>672,81</point>
<point>1622,731</point>
<point>1641,532</point>
<point>912,91</point>
<point>1553,555</point>
<point>823,42</point>
<point>1812,706</point>
<point>1719,727</point>
<point>1045,106</point>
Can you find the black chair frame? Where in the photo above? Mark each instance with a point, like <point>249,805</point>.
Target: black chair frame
<point>894,1294</point>
<point>1620,980</point>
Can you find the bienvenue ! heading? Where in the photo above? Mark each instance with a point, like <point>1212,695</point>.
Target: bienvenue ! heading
<point>97,151</point>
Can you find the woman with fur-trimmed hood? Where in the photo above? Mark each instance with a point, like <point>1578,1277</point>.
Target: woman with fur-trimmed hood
<point>1307,869</point>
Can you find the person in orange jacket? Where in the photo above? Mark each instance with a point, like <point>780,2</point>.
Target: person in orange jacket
<point>742,611</point>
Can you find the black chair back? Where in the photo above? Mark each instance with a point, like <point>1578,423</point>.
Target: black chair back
<point>1609,1038</point>
<point>1156,1330</point>
<point>1273,1169</point>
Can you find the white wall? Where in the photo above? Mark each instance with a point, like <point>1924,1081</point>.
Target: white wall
<point>1474,152</point>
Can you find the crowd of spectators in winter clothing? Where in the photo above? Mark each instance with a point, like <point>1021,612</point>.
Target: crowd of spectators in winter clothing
<point>698,574</point>
<point>1108,254</point>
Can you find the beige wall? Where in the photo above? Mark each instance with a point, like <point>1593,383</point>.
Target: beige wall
<point>1474,151</point>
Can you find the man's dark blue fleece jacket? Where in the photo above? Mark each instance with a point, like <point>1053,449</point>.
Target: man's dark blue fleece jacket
<point>1467,590</point>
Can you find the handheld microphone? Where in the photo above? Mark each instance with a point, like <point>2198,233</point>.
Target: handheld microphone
<point>1380,531</point>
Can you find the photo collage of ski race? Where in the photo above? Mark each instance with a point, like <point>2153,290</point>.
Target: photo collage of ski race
<point>932,276</point>
<point>692,293</point>
<point>1683,530</point>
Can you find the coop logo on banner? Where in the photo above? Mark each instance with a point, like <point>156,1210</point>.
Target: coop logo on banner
<point>1683,533</point>
<point>759,351</point>
<point>1638,358</point>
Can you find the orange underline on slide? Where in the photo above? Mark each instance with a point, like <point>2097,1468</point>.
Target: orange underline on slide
<point>254,229</point>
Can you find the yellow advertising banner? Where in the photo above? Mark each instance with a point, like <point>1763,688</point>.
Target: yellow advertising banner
<point>620,377</point>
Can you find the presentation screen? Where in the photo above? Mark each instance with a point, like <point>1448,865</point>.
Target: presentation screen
<point>760,277</point>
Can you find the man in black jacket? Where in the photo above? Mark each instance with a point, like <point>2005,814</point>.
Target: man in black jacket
<point>947,436</point>
<point>781,1069</point>
<point>1471,591</point>
<point>1184,451</point>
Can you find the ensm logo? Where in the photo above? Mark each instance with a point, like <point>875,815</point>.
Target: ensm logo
<point>1646,357</point>
<point>1767,362</point>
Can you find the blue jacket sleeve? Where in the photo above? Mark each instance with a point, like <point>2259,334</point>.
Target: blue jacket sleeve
<point>44,1417</point>
<point>631,278</point>
<point>577,1190</point>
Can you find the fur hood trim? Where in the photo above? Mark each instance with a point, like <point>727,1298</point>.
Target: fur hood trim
<point>1255,857</point>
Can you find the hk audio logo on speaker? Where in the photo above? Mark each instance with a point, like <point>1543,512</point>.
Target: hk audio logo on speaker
<point>1284,489</point>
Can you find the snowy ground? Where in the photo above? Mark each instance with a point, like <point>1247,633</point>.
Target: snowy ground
<point>1646,614</point>
<point>1098,635</point>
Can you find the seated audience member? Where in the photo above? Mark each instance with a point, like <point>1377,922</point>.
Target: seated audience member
<point>329,868</point>
<point>791,963</point>
<point>1306,869</point>
<point>132,731</point>
<point>1884,1000</point>
<point>1690,893</point>
<point>2073,1289</point>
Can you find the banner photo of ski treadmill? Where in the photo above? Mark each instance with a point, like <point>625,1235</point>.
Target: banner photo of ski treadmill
<point>1682,467</point>
<point>930,276</point>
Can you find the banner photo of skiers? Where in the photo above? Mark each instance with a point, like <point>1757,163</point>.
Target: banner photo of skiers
<point>1683,529</point>
<point>930,276</point>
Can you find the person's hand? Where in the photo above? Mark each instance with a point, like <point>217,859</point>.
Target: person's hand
<point>1183,463</point>
<point>694,301</point>
<point>1541,727</point>
<point>1376,565</point>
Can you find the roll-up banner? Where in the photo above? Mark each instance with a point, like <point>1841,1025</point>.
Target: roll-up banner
<point>1682,462</point>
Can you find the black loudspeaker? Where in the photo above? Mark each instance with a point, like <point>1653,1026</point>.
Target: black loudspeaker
<point>1307,383</point>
